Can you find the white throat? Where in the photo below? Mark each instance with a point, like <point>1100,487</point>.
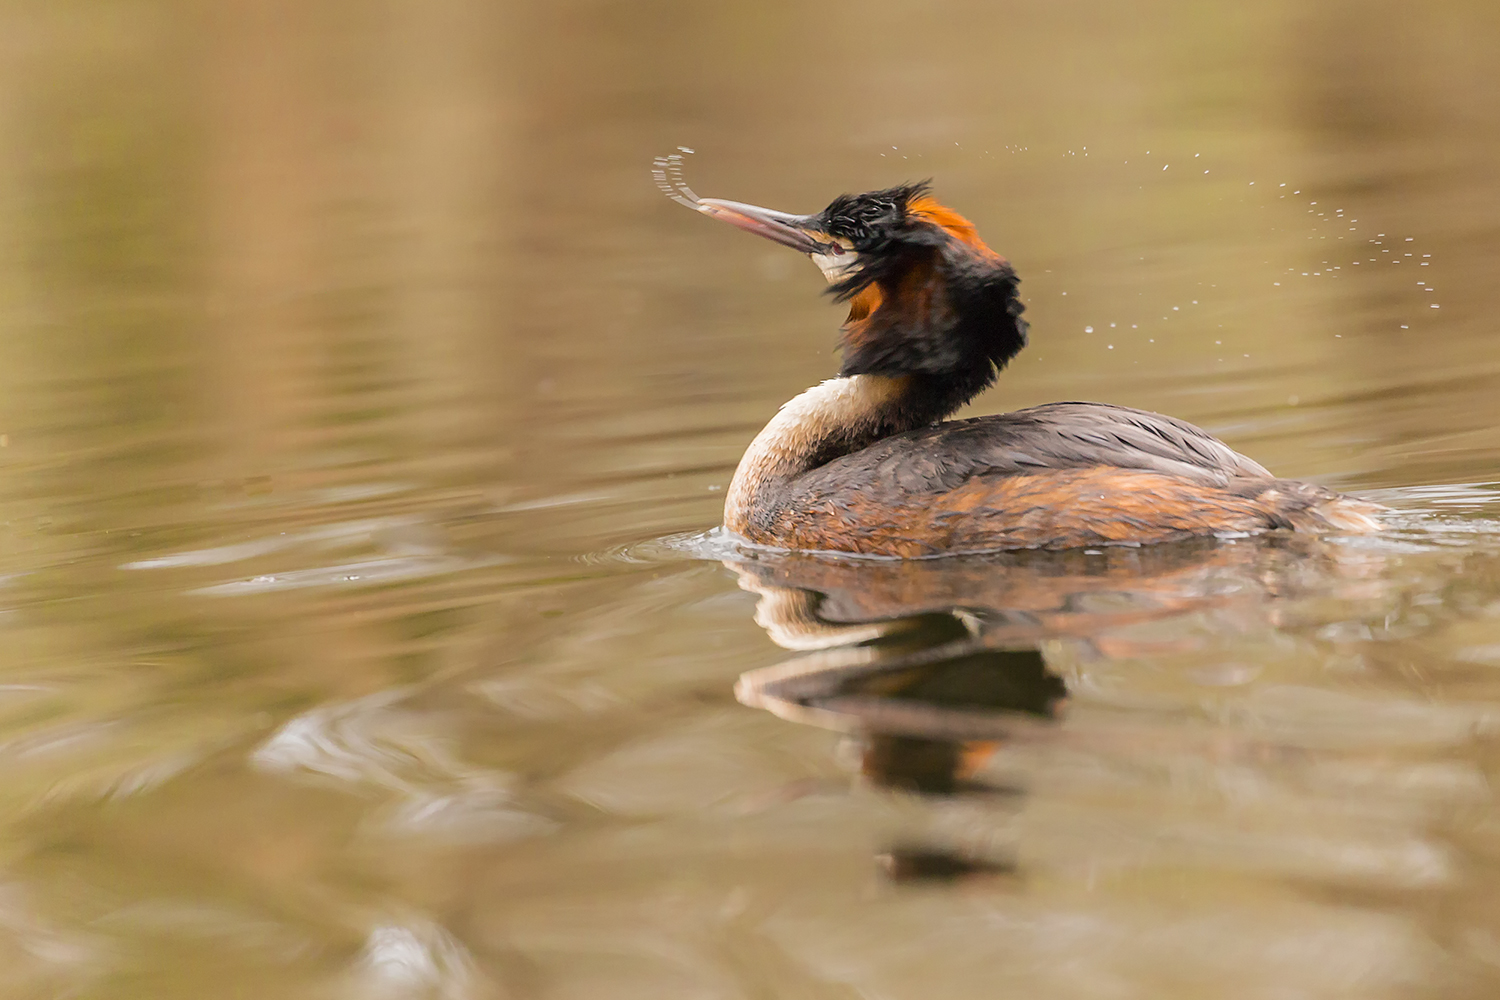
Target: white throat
<point>836,268</point>
<point>840,409</point>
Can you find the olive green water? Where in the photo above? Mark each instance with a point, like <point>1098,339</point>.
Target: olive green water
<point>363,401</point>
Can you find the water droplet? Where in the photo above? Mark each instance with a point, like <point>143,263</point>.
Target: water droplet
<point>1088,329</point>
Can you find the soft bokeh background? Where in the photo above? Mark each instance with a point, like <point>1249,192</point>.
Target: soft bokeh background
<point>352,365</point>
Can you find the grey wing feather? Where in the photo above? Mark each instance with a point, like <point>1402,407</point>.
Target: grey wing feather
<point>1054,436</point>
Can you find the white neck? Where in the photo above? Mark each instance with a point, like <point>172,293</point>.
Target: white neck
<point>844,410</point>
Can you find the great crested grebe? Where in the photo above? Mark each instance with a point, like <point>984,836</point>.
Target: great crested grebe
<point>868,463</point>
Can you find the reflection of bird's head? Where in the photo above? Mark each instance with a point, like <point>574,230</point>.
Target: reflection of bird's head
<point>926,296</point>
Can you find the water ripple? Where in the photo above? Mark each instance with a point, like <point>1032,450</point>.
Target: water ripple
<point>363,573</point>
<point>344,533</point>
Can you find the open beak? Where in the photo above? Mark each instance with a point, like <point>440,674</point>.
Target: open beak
<point>795,231</point>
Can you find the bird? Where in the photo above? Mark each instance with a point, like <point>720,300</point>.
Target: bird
<point>872,463</point>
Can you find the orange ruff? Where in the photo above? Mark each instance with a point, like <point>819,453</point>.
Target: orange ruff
<point>950,221</point>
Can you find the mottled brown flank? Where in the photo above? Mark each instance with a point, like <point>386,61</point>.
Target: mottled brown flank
<point>1053,509</point>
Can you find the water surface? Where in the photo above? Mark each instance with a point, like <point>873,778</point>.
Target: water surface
<point>365,406</point>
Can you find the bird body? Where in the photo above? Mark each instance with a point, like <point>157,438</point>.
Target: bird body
<point>869,463</point>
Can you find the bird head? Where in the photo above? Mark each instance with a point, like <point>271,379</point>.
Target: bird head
<point>926,296</point>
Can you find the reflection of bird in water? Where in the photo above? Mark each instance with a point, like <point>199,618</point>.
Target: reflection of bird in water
<point>867,617</point>
<point>868,462</point>
<point>810,601</point>
<point>931,666</point>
